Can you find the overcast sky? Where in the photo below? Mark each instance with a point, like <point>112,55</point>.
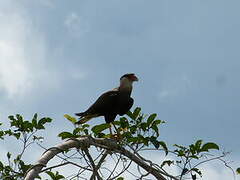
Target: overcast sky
<point>57,57</point>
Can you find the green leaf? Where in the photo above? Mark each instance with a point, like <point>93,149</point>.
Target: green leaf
<point>124,123</point>
<point>208,146</point>
<point>1,134</point>
<point>136,113</point>
<point>168,162</point>
<point>38,138</point>
<point>238,170</point>
<point>143,126</point>
<point>43,121</point>
<point>164,146</point>
<point>129,114</point>
<point>155,128</point>
<point>197,171</point>
<point>133,139</point>
<point>120,178</point>
<point>154,141</point>
<point>198,145</point>
<point>99,128</point>
<point>77,130</point>
<point>151,119</point>
<point>1,166</point>
<point>133,129</point>
<point>34,120</point>
<point>9,155</point>
<point>51,174</point>
<point>65,135</point>
<point>17,135</point>
<point>157,122</point>
<point>194,177</point>
<point>11,117</point>
<point>70,118</point>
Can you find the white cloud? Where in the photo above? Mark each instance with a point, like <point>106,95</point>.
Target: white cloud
<point>173,87</point>
<point>217,172</point>
<point>22,54</point>
<point>76,25</point>
<point>77,75</point>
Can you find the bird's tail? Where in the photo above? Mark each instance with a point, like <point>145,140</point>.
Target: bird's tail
<point>84,118</point>
<point>80,114</point>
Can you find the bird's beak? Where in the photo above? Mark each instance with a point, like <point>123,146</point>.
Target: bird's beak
<point>134,78</point>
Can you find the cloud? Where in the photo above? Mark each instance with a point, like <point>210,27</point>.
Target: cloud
<point>76,25</point>
<point>22,54</point>
<point>174,86</point>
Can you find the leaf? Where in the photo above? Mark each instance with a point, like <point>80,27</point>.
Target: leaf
<point>1,134</point>
<point>164,146</point>
<point>197,171</point>
<point>124,123</point>
<point>120,178</point>
<point>143,126</point>
<point>198,145</point>
<point>43,121</point>
<point>38,138</point>
<point>157,122</point>
<point>154,141</point>
<point>168,162</point>
<point>1,166</point>
<point>70,118</point>
<point>11,117</point>
<point>136,113</point>
<point>8,155</point>
<point>155,128</point>
<point>77,130</point>
<point>129,114</point>
<point>65,135</point>
<point>238,170</point>
<point>194,177</point>
<point>151,119</point>
<point>34,120</point>
<point>133,139</point>
<point>133,129</point>
<point>208,146</point>
<point>51,174</point>
<point>99,128</point>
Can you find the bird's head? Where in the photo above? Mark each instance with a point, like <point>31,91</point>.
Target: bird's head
<point>127,79</point>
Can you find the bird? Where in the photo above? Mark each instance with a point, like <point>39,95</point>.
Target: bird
<point>117,101</point>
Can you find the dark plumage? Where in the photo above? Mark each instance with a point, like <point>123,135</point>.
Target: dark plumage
<point>112,103</point>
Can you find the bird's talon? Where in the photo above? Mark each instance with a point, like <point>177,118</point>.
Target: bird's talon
<point>117,137</point>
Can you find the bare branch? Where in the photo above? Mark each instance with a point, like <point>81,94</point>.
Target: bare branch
<point>86,142</point>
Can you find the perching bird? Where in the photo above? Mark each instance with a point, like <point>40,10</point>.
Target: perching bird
<point>111,103</point>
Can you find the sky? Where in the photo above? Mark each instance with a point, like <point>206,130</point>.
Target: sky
<point>57,57</point>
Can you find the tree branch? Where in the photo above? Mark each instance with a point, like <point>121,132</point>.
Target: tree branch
<point>86,142</point>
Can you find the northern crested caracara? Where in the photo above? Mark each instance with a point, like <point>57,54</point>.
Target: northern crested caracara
<point>111,103</point>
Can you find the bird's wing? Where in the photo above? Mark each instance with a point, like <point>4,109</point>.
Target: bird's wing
<point>105,103</point>
<point>126,106</point>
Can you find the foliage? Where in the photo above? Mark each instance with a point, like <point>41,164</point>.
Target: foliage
<point>25,132</point>
<point>136,132</point>
<point>238,170</point>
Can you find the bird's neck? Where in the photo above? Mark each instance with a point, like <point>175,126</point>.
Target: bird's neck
<point>125,87</point>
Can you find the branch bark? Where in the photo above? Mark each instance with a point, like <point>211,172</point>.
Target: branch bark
<point>86,142</point>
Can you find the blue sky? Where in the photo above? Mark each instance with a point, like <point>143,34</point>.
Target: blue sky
<point>57,57</point>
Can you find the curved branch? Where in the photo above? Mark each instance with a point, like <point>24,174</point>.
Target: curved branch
<point>86,142</point>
